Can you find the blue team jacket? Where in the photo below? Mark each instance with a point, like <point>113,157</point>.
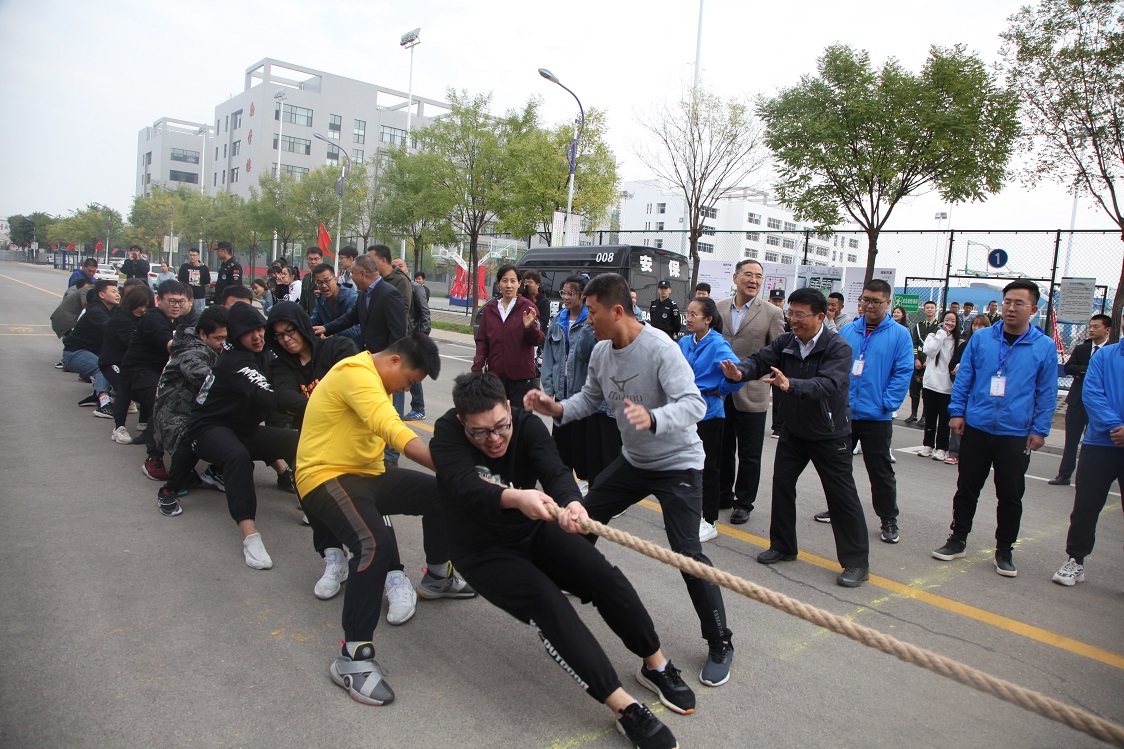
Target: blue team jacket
<point>1103,394</point>
<point>887,368</point>
<point>1031,389</point>
<point>705,358</point>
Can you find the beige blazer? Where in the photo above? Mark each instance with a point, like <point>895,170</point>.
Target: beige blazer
<point>762,323</point>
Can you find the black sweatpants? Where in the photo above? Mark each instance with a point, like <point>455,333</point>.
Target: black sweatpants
<point>915,392</point>
<point>602,444</point>
<point>1076,419</point>
<point>353,508</point>
<point>235,455</point>
<point>526,580</point>
<point>936,419</point>
<point>182,464</point>
<point>743,433</point>
<point>1099,466</point>
<point>979,452</point>
<point>516,389</point>
<point>140,386</point>
<point>621,485</point>
<point>710,432</point>
<point>875,437</point>
<point>570,441</point>
<point>112,374</point>
<point>832,460</point>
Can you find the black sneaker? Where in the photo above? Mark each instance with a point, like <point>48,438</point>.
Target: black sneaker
<point>1005,563</point>
<point>953,548</point>
<point>90,401</point>
<point>644,730</point>
<point>212,477</point>
<point>912,418</point>
<point>853,577</point>
<point>167,502</point>
<point>890,531</point>
<point>59,365</point>
<point>822,517</point>
<point>716,672</point>
<point>104,412</point>
<point>669,685</point>
<point>285,481</point>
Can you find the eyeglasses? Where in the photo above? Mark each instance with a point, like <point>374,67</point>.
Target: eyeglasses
<point>799,316</point>
<point>1016,303</point>
<point>324,284</point>
<point>758,276</point>
<point>695,315</point>
<point>872,302</point>
<point>290,333</point>
<point>566,293</point>
<point>175,302</point>
<point>482,434</point>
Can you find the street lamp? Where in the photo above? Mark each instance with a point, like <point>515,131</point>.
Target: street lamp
<point>280,97</point>
<point>344,171</point>
<point>572,151</point>
<point>409,41</point>
<point>938,217</point>
<point>205,130</point>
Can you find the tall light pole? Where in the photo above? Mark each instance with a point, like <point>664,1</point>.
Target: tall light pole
<point>344,171</point>
<point>572,151</point>
<point>409,40</point>
<point>109,217</point>
<point>203,174</point>
<point>938,217</point>
<point>280,97</point>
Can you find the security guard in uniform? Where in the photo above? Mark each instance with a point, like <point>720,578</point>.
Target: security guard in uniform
<point>663,314</point>
<point>230,272</point>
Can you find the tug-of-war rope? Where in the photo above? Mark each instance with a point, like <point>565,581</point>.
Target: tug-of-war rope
<point>1028,699</point>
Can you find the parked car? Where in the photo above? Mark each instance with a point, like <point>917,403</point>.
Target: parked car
<point>106,272</point>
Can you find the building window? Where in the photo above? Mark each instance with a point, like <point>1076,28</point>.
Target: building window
<point>335,125</point>
<point>754,218</point>
<point>706,247</point>
<point>189,177</point>
<point>709,212</point>
<point>215,179</point>
<point>234,175</point>
<point>771,257</point>
<point>661,207</point>
<point>333,157</point>
<point>235,148</point>
<point>648,209</point>
<point>357,155</point>
<point>148,159</point>
<point>750,252</point>
<point>786,258</point>
<point>707,230</point>
<point>659,244</point>
<point>852,259</point>
<point>181,154</point>
<point>359,131</point>
<point>820,250</point>
<point>293,145</point>
<point>773,240</point>
<point>647,226</point>
<point>392,135</point>
<point>224,176</point>
<point>236,121</point>
<point>753,236</point>
<point>295,115</point>
<point>147,178</point>
<point>296,172</point>
<point>789,244</point>
<point>789,226</point>
<point>774,223</point>
<point>224,150</point>
<point>647,242</point>
<point>853,244</point>
<point>659,226</point>
<point>216,153</point>
<point>226,125</point>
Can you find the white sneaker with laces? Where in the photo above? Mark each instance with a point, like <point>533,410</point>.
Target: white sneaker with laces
<point>707,531</point>
<point>335,572</point>
<point>255,553</point>
<point>1070,574</point>
<point>401,596</point>
<point>940,454</point>
<point>925,452</point>
<point>121,436</point>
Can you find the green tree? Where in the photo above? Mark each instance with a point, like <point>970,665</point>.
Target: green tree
<point>864,139</point>
<point>318,201</point>
<point>151,218</point>
<point>411,205</point>
<point>1065,59</point>
<point>273,207</point>
<point>704,148</point>
<point>541,176</point>
<point>22,229</point>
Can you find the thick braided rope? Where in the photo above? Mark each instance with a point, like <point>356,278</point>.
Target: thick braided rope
<point>1027,699</point>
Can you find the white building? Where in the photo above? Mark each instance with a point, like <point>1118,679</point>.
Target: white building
<point>745,224</point>
<point>273,120</point>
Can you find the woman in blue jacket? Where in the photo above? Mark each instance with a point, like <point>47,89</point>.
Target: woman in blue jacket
<point>706,349</point>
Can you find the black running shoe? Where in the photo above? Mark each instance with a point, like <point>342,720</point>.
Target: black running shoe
<point>285,481</point>
<point>167,502</point>
<point>643,729</point>
<point>90,401</point>
<point>669,685</point>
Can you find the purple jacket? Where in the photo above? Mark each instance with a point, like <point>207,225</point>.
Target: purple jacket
<point>508,348</point>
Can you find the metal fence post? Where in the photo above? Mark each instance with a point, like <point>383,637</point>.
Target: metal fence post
<point>948,268</point>
<point>807,236</point>
<point>1053,278</point>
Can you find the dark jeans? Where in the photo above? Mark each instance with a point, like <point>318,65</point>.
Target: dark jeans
<point>516,389</point>
<point>525,578</point>
<point>1076,419</point>
<point>875,437</point>
<point>936,419</point>
<point>353,509</point>
<point>710,432</point>
<point>390,456</point>
<point>235,455</point>
<point>140,386</point>
<point>1098,468</point>
<point>832,460</point>
<point>979,452</point>
<point>743,434</point>
<point>680,496</point>
<point>417,398</point>
<point>915,392</point>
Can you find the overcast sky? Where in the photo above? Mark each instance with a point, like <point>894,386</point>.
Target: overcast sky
<point>80,79</point>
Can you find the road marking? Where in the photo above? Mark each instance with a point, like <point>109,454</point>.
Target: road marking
<point>461,359</point>
<point>1039,478</point>
<point>1014,626</point>
<point>26,335</point>
<point>419,425</point>
<point>45,291</point>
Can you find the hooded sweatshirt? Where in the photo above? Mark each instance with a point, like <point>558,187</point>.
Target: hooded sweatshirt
<point>295,381</point>
<point>237,394</point>
<point>189,364</point>
<point>118,333</point>
<point>89,330</point>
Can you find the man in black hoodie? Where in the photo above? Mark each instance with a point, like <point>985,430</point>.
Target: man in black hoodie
<point>82,344</point>
<point>225,423</point>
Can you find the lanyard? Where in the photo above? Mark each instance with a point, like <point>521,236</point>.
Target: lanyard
<point>1003,357</point>
<point>866,341</point>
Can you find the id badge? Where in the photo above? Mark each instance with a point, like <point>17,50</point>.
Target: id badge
<point>998,386</point>
<point>857,368</point>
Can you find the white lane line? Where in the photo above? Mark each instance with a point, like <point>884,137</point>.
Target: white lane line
<point>1039,478</point>
<point>457,358</point>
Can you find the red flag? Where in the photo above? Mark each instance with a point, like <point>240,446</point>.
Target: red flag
<point>324,241</point>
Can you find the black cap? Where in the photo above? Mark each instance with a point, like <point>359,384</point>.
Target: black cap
<point>777,294</point>
<point>223,246</point>
<point>664,284</point>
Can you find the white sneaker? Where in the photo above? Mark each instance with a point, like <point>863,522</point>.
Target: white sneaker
<point>1070,574</point>
<point>255,553</point>
<point>892,458</point>
<point>925,452</point>
<point>858,449</point>
<point>142,426</point>
<point>583,486</point>
<point>335,572</point>
<point>121,436</point>
<point>940,454</point>
<point>707,531</point>
<point>401,596</point>
<point>132,407</point>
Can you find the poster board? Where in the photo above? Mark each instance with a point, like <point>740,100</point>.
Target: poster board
<point>1075,300</point>
<point>853,279</point>
<point>720,275</point>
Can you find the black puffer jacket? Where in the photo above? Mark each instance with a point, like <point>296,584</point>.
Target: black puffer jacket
<point>89,330</point>
<point>188,366</point>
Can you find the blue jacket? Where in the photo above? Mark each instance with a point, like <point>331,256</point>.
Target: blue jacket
<point>565,355</point>
<point>705,358</point>
<point>1103,395</point>
<point>887,368</point>
<point>1031,387</point>
<point>322,314</point>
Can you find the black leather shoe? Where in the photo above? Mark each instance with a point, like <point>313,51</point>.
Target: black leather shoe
<point>853,577</point>
<point>1058,481</point>
<point>739,516</point>
<point>772,556</point>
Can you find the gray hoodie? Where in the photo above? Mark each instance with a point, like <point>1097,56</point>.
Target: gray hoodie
<point>652,372</point>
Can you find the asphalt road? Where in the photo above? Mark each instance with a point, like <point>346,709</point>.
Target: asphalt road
<point>124,628</point>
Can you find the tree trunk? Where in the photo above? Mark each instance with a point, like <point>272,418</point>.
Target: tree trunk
<point>1117,305</point>
<point>871,253</point>
<point>473,240</point>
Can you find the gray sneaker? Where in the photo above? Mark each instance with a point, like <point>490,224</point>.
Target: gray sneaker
<point>452,586</point>
<point>716,672</point>
<point>362,677</point>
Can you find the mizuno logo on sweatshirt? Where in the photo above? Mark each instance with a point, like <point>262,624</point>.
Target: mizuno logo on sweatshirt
<point>255,377</point>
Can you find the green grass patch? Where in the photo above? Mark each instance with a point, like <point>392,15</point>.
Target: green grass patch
<point>452,326</point>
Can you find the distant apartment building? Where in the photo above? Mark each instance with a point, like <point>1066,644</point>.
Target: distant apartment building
<point>271,124</point>
<point>745,224</point>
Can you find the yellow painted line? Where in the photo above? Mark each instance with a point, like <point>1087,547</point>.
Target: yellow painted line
<point>45,291</point>
<point>27,325</point>
<point>1014,626</point>
<point>28,335</point>
<point>419,425</point>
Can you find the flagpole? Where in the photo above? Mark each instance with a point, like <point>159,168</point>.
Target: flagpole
<point>344,171</point>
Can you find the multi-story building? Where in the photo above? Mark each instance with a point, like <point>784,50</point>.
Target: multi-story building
<point>744,224</point>
<point>272,122</point>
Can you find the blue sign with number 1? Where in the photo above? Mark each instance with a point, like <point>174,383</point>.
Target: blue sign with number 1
<point>997,258</point>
